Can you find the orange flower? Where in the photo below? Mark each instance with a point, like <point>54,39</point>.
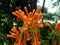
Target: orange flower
<point>27,35</point>
<point>23,43</point>
<point>36,43</point>
<point>14,30</point>
<point>59,43</point>
<point>47,24</point>
<point>38,23</point>
<point>11,36</point>
<point>18,41</point>
<point>57,27</point>
<point>29,17</point>
<point>38,10</point>
<point>54,42</point>
<point>14,33</point>
<point>36,40</point>
<point>26,10</point>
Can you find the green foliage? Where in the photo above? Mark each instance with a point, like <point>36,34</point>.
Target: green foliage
<point>55,3</point>
<point>49,16</point>
<point>44,42</point>
<point>12,1</point>
<point>3,38</point>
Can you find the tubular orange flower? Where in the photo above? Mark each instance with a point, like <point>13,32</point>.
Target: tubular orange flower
<point>57,27</point>
<point>59,43</point>
<point>15,14</point>
<point>36,43</point>
<point>26,10</point>
<point>37,16</point>
<point>36,40</point>
<point>40,25</point>
<point>33,11</point>
<point>14,30</point>
<point>38,9</point>
<point>12,33</point>
<point>21,15</point>
<point>23,43</point>
<point>47,24</point>
<point>11,36</point>
<point>34,16</point>
<point>30,21</point>
<point>27,35</point>
<point>30,15</point>
<point>19,28</point>
<point>18,42</point>
<point>54,42</point>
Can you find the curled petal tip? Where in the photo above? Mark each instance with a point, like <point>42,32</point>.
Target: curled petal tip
<point>12,12</point>
<point>8,35</point>
<point>16,11</point>
<point>24,7</point>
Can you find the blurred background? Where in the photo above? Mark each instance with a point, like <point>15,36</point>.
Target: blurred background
<point>52,10</point>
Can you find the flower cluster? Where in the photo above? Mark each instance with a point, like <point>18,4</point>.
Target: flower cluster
<point>29,31</point>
